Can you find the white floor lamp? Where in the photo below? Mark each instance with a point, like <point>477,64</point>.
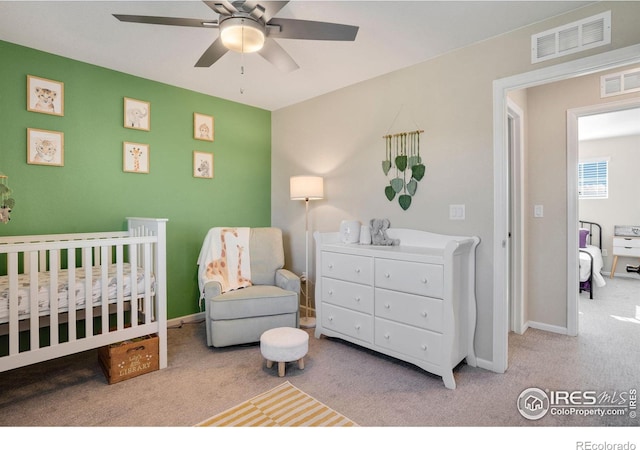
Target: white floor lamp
<point>306,188</point>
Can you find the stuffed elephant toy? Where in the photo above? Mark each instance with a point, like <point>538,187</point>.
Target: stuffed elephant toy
<point>379,235</point>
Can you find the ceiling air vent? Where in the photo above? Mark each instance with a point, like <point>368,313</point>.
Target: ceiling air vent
<point>571,38</point>
<point>620,83</point>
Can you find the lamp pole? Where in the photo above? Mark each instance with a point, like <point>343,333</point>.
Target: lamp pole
<point>306,322</point>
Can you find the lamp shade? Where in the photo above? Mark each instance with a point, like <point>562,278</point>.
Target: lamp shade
<point>306,188</point>
<point>242,35</point>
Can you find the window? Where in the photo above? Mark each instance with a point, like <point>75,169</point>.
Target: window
<point>593,179</point>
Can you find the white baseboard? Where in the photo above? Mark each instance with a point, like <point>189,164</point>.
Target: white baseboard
<point>179,321</point>
<point>547,327</point>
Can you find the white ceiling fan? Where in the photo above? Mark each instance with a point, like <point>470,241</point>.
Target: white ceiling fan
<point>250,26</point>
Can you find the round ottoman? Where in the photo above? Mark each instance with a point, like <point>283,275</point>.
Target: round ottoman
<point>283,345</point>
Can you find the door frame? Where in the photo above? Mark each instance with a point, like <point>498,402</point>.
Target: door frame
<point>592,64</point>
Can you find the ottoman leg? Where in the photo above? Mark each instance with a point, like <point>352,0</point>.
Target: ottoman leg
<point>301,363</point>
<point>281,368</point>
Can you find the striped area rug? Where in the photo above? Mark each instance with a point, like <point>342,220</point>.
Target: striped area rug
<point>282,406</point>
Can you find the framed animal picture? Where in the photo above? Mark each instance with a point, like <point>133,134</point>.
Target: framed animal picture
<point>202,164</point>
<point>202,127</point>
<point>45,96</point>
<point>137,114</point>
<point>135,157</point>
<point>45,147</point>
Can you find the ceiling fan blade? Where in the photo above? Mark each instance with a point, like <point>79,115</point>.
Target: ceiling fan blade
<point>177,21</point>
<point>212,54</point>
<point>276,55</point>
<point>309,29</point>
<point>271,8</point>
<point>223,7</point>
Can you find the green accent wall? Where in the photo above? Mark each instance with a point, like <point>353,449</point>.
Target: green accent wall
<point>91,192</point>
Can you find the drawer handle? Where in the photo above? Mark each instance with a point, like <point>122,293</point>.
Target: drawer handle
<point>330,318</point>
<point>330,266</point>
<point>629,248</point>
<point>387,336</point>
<point>424,347</point>
<point>358,270</point>
<point>387,275</point>
<point>357,327</point>
<point>358,299</point>
<point>330,291</point>
<point>388,306</point>
<point>424,281</point>
<point>424,314</point>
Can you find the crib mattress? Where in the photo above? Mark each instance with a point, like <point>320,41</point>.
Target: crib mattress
<point>24,290</point>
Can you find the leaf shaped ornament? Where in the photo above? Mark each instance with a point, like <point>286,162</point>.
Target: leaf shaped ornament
<point>405,201</point>
<point>401,162</point>
<point>412,186</point>
<point>417,171</point>
<point>389,192</point>
<point>397,184</point>
<point>414,160</point>
<point>386,166</point>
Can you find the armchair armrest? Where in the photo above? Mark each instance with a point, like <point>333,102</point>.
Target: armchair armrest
<point>287,280</point>
<point>211,289</point>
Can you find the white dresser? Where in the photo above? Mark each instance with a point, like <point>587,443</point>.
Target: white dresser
<point>415,302</point>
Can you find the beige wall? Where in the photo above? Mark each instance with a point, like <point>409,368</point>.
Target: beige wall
<point>339,136</point>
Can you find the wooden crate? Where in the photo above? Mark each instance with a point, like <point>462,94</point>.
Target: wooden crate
<point>128,359</point>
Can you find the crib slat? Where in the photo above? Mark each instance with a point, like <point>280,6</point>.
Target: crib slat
<point>88,292</point>
<point>119,288</point>
<point>133,263</point>
<point>71,293</point>
<point>104,277</point>
<point>12,263</point>
<point>34,305</point>
<point>148,309</point>
<point>53,297</point>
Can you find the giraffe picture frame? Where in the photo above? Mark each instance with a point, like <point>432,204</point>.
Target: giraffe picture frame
<point>135,157</point>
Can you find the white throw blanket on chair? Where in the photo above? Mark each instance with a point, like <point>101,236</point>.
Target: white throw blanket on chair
<point>224,257</point>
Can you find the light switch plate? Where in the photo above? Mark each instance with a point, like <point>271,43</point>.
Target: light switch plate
<point>456,212</point>
<point>538,211</point>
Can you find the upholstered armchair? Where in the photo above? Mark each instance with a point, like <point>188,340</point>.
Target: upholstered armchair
<point>241,316</point>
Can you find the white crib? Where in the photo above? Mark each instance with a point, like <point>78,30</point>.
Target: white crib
<point>117,291</point>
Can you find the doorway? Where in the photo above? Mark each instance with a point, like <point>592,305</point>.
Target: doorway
<point>573,116</point>
<point>501,247</point>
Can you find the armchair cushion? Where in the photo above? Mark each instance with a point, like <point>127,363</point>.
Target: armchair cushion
<point>252,301</point>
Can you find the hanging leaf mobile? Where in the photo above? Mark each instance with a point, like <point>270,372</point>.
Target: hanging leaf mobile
<point>402,151</point>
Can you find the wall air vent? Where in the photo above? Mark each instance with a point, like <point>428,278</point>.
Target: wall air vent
<point>575,37</point>
<point>620,83</point>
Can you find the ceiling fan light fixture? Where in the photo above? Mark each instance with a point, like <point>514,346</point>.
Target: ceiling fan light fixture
<point>242,35</point>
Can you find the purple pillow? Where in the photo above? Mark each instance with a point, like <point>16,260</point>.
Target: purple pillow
<point>584,234</point>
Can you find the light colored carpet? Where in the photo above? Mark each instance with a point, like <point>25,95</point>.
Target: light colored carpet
<point>282,406</point>
<point>369,388</point>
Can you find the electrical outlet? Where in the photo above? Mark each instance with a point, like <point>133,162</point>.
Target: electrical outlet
<point>605,252</point>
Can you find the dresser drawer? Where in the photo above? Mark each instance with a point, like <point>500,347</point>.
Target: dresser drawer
<point>422,312</point>
<point>411,277</point>
<point>626,242</point>
<point>626,251</point>
<point>348,295</point>
<point>346,321</point>
<point>358,269</point>
<point>421,344</point>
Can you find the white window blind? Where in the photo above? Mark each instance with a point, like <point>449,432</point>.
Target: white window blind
<point>593,179</point>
